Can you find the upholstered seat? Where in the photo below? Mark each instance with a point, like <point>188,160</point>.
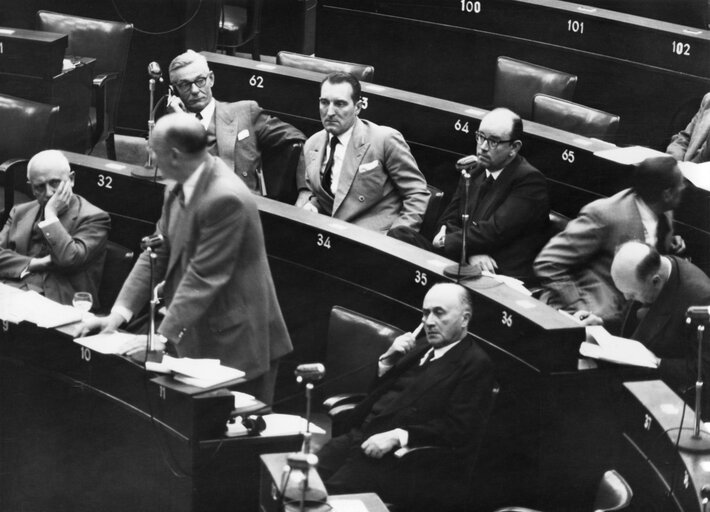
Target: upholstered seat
<point>517,82</point>
<point>363,72</point>
<point>575,118</point>
<point>239,24</point>
<point>107,42</point>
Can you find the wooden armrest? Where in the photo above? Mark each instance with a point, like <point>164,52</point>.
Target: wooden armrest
<point>101,80</point>
<point>339,412</point>
<point>341,399</point>
<point>412,451</point>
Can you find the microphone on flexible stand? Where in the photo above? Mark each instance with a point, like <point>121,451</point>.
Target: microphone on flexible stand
<point>463,270</point>
<point>149,170</point>
<point>152,241</point>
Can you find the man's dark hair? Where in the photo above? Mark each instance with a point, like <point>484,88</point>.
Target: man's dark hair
<point>649,265</point>
<point>340,77</point>
<point>517,132</point>
<point>653,176</point>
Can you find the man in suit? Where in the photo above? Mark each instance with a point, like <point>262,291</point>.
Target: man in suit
<point>358,171</point>
<point>574,267</point>
<point>218,289</point>
<point>428,392</point>
<point>240,133</point>
<point>55,245</point>
<point>662,289</point>
<point>508,205</point>
<point>691,144</point>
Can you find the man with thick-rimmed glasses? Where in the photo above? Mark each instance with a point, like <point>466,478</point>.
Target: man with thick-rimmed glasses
<point>54,245</point>
<point>240,132</point>
<point>508,205</point>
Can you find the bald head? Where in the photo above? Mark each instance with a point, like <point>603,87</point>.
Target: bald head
<point>46,171</point>
<point>179,144</point>
<point>639,271</point>
<point>503,129</point>
<point>446,312</point>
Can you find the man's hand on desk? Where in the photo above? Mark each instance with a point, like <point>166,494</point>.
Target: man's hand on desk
<point>440,238</point>
<point>378,445</point>
<point>304,196</point>
<point>484,262</point>
<point>587,318</point>
<point>108,323</point>
<point>140,341</point>
<point>310,207</point>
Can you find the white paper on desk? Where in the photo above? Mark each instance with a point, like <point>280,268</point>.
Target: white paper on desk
<point>697,174</point>
<point>628,156</point>
<point>616,349</point>
<point>108,343</point>
<point>287,424</point>
<point>30,306</point>
<point>516,284</point>
<point>207,369</point>
<point>346,505</point>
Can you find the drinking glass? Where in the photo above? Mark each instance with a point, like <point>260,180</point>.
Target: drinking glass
<point>82,301</point>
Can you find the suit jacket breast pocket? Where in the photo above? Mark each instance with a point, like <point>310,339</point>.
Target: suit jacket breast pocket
<point>370,179</point>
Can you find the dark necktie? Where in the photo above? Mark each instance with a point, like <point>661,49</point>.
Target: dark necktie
<point>199,116</point>
<point>327,179</point>
<point>662,231</point>
<point>177,190</point>
<point>486,187</point>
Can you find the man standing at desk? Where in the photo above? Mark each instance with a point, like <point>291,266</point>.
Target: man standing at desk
<point>218,290</point>
<point>358,171</point>
<point>508,205</point>
<point>240,133</point>
<point>436,392</point>
<point>54,245</point>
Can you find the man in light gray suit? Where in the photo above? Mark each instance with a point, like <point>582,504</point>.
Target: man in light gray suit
<point>693,143</point>
<point>574,267</point>
<point>218,289</point>
<point>358,171</point>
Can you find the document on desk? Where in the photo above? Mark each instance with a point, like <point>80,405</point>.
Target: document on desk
<point>108,343</point>
<point>697,174</point>
<point>616,349</point>
<point>346,505</point>
<point>29,306</point>
<point>629,155</point>
<point>202,373</point>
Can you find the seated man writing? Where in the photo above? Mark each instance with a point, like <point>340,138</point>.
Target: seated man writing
<point>54,245</point>
<point>436,392</point>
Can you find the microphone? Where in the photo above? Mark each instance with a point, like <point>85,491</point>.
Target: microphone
<point>152,242</point>
<point>467,163</point>
<point>154,71</point>
<point>310,372</point>
<point>698,313</point>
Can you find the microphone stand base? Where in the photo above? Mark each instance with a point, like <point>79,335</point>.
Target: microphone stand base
<point>690,443</point>
<point>146,173</point>
<point>462,271</point>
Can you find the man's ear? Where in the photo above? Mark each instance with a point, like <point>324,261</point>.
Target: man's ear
<point>515,147</point>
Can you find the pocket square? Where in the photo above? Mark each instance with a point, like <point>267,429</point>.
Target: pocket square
<point>243,134</point>
<point>368,166</point>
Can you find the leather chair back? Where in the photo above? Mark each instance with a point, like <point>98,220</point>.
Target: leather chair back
<point>29,127</point>
<point>517,82</point>
<point>613,493</point>
<point>117,266</point>
<point>575,118</point>
<point>362,72</point>
<point>433,211</point>
<point>355,342</point>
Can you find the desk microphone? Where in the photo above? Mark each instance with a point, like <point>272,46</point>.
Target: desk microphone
<point>467,163</point>
<point>310,372</point>
<point>152,242</point>
<point>698,313</point>
<point>154,71</point>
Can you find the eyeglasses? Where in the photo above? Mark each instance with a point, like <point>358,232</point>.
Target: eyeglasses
<point>492,143</point>
<point>186,85</point>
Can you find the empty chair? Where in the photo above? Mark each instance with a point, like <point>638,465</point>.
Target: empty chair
<point>29,128</point>
<point>433,211</point>
<point>362,72</point>
<point>613,494</point>
<point>575,118</point>
<point>107,42</point>
<point>517,82</point>
<point>239,24</point>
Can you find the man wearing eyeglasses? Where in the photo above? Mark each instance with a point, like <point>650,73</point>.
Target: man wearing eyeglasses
<point>358,171</point>
<point>56,244</point>
<point>240,133</point>
<point>508,205</point>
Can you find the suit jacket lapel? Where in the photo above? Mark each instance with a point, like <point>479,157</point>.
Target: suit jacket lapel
<point>226,129</point>
<point>354,153</point>
<point>699,136</point>
<point>315,159</point>
<point>24,227</point>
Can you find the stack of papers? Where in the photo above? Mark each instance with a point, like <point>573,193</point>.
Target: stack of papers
<point>28,306</point>
<point>201,373</point>
<point>616,349</point>
<point>108,343</point>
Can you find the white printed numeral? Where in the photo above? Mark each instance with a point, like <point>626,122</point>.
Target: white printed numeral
<point>568,156</point>
<point>323,241</point>
<point>420,277</point>
<point>257,81</point>
<point>461,127</point>
<point>507,319</point>
<point>105,181</point>
<point>680,48</point>
<point>85,354</point>
<point>470,6</point>
<point>576,27</point>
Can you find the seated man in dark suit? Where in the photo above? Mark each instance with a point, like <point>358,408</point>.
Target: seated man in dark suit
<point>55,245</point>
<point>508,205</point>
<point>433,392</point>
<point>662,288</point>
<point>240,133</point>
<point>691,144</point>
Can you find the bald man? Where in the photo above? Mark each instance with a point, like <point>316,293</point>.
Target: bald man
<point>219,294</point>
<point>435,390</point>
<point>508,205</point>
<point>662,288</point>
<point>56,244</point>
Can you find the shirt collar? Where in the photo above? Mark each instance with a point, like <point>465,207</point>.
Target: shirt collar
<point>344,138</point>
<point>495,174</point>
<point>439,352</point>
<point>190,183</point>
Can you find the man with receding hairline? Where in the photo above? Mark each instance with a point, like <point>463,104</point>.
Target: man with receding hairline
<point>54,245</point>
<point>219,294</point>
<point>429,392</point>
<point>663,287</point>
